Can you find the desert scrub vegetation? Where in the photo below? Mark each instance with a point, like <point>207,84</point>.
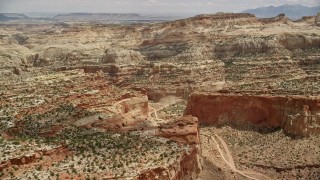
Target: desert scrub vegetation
<point>38,124</point>
<point>176,109</point>
<point>96,153</point>
<point>116,152</point>
<point>272,148</point>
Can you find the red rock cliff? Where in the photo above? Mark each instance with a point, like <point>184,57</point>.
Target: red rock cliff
<point>185,131</point>
<point>295,115</point>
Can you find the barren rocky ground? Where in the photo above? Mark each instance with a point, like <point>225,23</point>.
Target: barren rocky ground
<point>85,100</point>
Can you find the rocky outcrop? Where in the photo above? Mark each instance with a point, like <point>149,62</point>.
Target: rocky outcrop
<point>280,18</point>
<point>13,55</point>
<point>187,168</point>
<point>298,116</point>
<point>266,44</point>
<point>299,41</point>
<point>184,131</point>
<point>130,111</point>
<point>18,161</point>
<point>247,45</point>
<point>158,49</point>
<point>121,56</point>
<point>307,19</point>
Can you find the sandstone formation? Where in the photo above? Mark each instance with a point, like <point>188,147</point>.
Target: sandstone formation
<point>183,130</point>
<point>280,18</point>
<point>291,42</point>
<point>297,116</point>
<point>121,56</point>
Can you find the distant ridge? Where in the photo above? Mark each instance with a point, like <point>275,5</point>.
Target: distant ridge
<point>112,17</point>
<point>83,17</point>
<point>12,16</point>
<point>294,12</point>
<point>95,16</point>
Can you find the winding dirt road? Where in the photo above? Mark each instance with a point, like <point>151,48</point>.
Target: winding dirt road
<point>228,159</point>
<point>153,111</point>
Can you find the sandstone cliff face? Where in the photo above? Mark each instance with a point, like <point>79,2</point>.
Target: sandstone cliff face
<point>295,115</point>
<point>188,168</point>
<point>299,41</point>
<point>131,111</point>
<point>121,56</point>
<point>184,131</point>
<point>247,45</point>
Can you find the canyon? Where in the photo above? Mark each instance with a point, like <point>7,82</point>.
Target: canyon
<point>214,96</point>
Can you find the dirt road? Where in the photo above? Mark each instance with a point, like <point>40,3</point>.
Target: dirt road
<point>228,159</point>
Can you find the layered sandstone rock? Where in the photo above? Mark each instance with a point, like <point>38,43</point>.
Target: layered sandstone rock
<point>188,168</point>
<point>183,130</point>
<point>280,18</point>
<point>299,41</point>
<point>110,69</point>
<point>247,45</point>
<point>130,112</point>
<point>121,56</point>
<point>295,115</point>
